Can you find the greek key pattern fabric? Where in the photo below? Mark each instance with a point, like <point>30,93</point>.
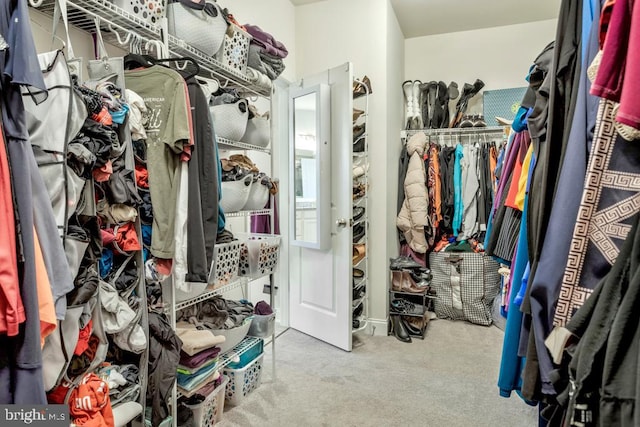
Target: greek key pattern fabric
<point>610,200</point>
<point>467,280</point>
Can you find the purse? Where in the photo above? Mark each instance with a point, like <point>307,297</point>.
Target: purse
<point>198,23</point>
<point>466,283</point>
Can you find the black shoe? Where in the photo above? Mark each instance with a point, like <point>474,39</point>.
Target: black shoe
<point>358,310</point>
<point>402,306</point>
<point>358,146</point>
<point>412,330</point>
<point>398,329</point>
<point>355,324</point>
<point>358,233</point>
<point>403,263</point>
<point>358,212</point>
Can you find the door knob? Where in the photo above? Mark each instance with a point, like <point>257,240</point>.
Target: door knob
<point>342,222</point>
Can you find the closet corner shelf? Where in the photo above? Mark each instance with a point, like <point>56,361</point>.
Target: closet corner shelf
<point>228,356</point>
<point>241,145</point>
<point>208,294</point>
<point>247,213</point>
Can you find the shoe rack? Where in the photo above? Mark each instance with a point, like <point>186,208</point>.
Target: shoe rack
<point>360,218</point>
<point>410,301</point>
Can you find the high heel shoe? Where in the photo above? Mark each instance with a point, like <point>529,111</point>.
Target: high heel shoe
<point>399,330</point>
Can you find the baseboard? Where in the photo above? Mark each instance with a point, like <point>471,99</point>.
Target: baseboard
<point>378,327</point>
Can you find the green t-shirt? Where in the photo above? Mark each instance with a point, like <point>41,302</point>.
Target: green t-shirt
<point>168,133</point>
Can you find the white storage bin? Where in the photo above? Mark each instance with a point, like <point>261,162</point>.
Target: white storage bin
<point>225,267</point>
<point>262,326</point>
<point>258,197</point>
<point>243,381</point>
<point>259,254</point>
<point>209,412</point>
<point>233,336</point>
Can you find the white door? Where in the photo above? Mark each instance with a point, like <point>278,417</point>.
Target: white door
<point>320,280</point>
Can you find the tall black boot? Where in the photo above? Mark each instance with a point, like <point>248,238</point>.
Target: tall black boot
<point>399,330</point>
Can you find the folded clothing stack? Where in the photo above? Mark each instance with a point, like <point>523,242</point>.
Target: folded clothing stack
<point>198,357</point>
<point>266,54</point>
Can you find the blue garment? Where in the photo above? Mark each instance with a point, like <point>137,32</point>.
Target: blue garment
<point>458,205</point>
<point>549,271</point>
<point>511,364</point>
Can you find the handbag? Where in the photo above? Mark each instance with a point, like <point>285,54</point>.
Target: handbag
<point>198,23</point>
<point>466,283</point>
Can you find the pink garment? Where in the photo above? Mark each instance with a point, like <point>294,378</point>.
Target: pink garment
<point>103,173</point>
<point>617,78</point>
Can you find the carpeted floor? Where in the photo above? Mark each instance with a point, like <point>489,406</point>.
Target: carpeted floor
<point>449,379</point>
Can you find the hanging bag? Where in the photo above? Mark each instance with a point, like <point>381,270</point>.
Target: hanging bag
<point>230,120</point>
<point>198,23</point>
<point>466,283</point>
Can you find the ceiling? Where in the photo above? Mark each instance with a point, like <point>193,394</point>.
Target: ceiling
<point>425,17</point>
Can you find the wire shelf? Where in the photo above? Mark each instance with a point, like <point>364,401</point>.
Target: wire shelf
<point>214,67</point>
<point>240,214</point>
<point>241,145</point>
<point>82,13</point>
<point>209,294</point>
<point>455,131</point>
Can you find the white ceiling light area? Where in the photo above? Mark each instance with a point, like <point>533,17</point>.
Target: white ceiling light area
<point>426,17</point>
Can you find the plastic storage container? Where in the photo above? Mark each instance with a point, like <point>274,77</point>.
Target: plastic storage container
<point>262,326</point>
<point>243,381</point>
<point>209,411</point>
<point>235,52</point>
<point>235,194</point>
<point>225,268</point>
<point>233,336</point>
<point>259,254</point>
<point>249,355</point>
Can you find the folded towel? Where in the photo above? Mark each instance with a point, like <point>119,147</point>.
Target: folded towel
<point>194,340</point>
<point>266,41</point>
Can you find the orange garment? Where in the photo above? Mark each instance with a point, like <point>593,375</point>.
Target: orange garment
<point>89,403</point>
<point>517,171</point>
<point>11,308</point>
<point>438,190</point>
<point>493,163</point>
<point>46,308</point>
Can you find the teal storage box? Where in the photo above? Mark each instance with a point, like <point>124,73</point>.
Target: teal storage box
<point>248,356</point>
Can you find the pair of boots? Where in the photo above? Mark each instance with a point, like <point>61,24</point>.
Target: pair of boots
<point>403,329</point>
<point>402,281</point>
<point>427,104</point>
<point>468,92</point>
<point>412,105</point>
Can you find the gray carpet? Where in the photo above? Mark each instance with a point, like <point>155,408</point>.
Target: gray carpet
<point>449,379</point>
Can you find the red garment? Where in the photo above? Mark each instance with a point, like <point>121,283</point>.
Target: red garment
<point>164,266</point>
<point>89,403</point>
<point>517,171</point>
<point>11,308</point>
<point>103,173</point>
<point>188,146</point>
<point>142,176</point>
<point>103,117</point>
<point>617,78</point>
<point>83,339</point>
<point>126,239</point>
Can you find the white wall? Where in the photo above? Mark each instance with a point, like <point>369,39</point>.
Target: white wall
<point>499,56</point>
<point>362,32</point>
<point>395,118</point>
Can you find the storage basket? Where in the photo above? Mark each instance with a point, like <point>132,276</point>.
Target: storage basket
<point>209,412</point>
<point>243,381</point>
<point>225,267</point>
<point>235,194</point>
<point>233,336</point>
<point>262,326</point>
<point>258,197</point>
<point>196,289</point>
<point>235,50</point>
<point>259,253</point>
<point>249,355</point>
<point>230,120</point>
<point>204,29</point>
<point>258,132</point>
<point>149,11</point>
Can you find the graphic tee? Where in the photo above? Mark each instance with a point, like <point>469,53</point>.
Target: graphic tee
<point>168,138</point>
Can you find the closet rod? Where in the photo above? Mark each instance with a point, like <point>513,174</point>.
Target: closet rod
<point>455,131</point>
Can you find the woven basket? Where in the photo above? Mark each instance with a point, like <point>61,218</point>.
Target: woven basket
<point>230,120</point>
<point>235,194</point>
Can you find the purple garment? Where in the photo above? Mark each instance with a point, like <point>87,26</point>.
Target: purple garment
<point>262,223</point>
<point>263,309</point>
<point>266,41</point>
<point>198,358</point>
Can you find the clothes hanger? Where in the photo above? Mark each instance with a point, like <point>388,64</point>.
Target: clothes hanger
<point>181,67</point>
